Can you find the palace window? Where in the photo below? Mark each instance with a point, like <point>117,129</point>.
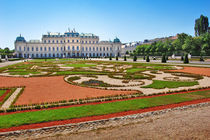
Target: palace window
<point>89,42</point>
<point>107,48</point>
<point>53,41</point>
<point>89,48</point>
<point>53,49</point>
<point>44,41</point>
<point>104,48</point>
<point>72,48</point>
<point>24,48</point>
<point>100,48</point>
<point>28,48</point>
<point>45,49</point>
<point>78,48</point>
<point>32,49</point>
<point>86,48</point>
<point>86,42</point>
<point>82,48</point>
<point>57,49</point>
<point>72,40</point>
<point>77,41</point>
<point>61,41</point>
<point>49,49</point>
<point>97,48</point>
<point>68,48</point>
<point>48,41</point>
<point>57,41</point>
<point>93,42</point>
<point>93,48</point>
<point>68,41</point>
<point>37,49</point>
<point>40,48</point>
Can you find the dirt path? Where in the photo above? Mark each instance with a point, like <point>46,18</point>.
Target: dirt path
<point>188,124</point>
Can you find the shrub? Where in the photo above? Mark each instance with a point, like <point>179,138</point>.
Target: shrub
<point>182,58</point>
<point>148,60</point>
<point>201,58</point>
<point>144,57</point>
<point>186,60</point>
<point>163,59</point>
<point>117,58</point>
<point>0,61</point>
<point>134,58</point>
<point>110,57</point>
<point>125,59</point>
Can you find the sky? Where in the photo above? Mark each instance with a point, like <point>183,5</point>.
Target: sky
<point>129,20</point>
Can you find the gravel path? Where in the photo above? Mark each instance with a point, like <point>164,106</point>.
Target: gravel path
<point>9,101</point>
<point>180,124</point>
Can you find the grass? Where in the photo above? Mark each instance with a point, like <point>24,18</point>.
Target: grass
<point>24,73</point>
<point>78,65</point>
<point>2,92</point>
<point>78,72</point>
<point>158,84</point>
<point>18,119</point>
<point>133,70</point>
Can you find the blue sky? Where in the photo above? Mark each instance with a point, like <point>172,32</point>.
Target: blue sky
<point>129,20</point>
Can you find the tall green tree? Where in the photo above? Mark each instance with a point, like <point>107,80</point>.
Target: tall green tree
<point>201,25</point>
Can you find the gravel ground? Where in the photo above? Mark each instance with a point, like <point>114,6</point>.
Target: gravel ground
<point>186,124</point>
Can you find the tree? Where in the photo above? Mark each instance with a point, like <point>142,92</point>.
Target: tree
<point>186,60</point>
<point>163,58</point>
<point>182,58</point>
<point>125,59</point>
<point>201,25</point>
<point>134,58</point>
<point>147,60</point>
<point>188,43</point>
<point>127,52</point>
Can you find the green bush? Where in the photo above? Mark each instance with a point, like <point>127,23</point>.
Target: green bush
<point>147,60</point>
<point>116,58</point>
<point>134,58</point>
<point>125,59</point>
<point>110,57</point>
<point>163,59</point>
<point>201,58</point>
<point>186,60</point>
<point>144,57</point>
<point>182,58</point>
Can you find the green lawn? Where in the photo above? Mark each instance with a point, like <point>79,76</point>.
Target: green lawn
<point>158,84</point>
<point>133,70</point>
<point>78,65</point>
<point>2,92</point>
<point>98,109</point>
<point>24,73</point>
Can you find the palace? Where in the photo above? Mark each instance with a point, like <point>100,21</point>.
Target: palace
<point>69,44</point>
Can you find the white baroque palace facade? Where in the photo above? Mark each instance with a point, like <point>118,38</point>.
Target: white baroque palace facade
<point>69,44</point>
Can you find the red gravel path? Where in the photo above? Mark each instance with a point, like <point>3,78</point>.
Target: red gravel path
<point>54,88</point>
<point>195,70</point>
<point>77,120</point>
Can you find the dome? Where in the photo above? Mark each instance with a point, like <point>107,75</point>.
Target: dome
<point>116,40</point>
<point>20,38</point>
